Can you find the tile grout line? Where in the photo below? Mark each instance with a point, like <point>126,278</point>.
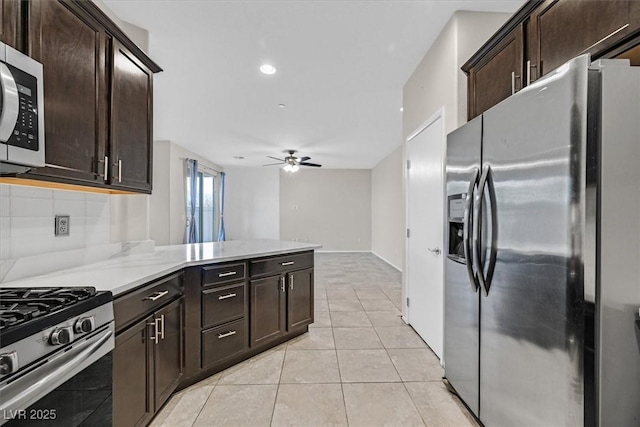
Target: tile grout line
<point>335,348</point>
<point>275,401</point>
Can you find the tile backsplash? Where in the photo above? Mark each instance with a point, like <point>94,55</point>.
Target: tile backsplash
<point>27,218</point>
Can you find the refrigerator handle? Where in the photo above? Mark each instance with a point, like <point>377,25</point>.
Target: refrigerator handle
<point>485,183</point>
<point>466,238</point>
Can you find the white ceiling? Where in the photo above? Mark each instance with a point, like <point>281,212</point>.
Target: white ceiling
<point>341,68</point>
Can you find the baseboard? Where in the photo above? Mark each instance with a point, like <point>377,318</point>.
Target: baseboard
<point>387,261</point>
<point>329,251</point>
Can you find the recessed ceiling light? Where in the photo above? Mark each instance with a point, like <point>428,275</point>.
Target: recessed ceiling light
<point>268,69</point>
<point>401,109</point>
<point>281,105</point>
<point>238,157</point>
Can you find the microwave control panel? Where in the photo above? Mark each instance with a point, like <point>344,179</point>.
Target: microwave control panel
<point>25,132</point>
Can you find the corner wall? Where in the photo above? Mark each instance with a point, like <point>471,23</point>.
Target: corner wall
<point>387,209</point>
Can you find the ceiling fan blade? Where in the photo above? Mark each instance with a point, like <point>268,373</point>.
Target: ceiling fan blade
<point>304,159</point>
<point>273,164</point>
<point>275,158</point>
<point>310,164</point>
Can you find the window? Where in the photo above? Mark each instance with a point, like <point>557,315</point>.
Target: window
<point>205,206</point>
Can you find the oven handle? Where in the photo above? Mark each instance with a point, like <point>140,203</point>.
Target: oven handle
<point>24,389</point>
<point>10,103</point>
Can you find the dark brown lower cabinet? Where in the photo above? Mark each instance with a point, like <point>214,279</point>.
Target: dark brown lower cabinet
<point>268,304</point>
<point>168,351</point>
<point>148,364</point>
<point>132,367</point>
<point>280,304</point>
<point>300,299</point>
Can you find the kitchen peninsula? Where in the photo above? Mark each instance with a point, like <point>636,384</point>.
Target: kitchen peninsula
<point>185,312</point>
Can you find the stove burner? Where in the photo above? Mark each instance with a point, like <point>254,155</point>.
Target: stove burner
<point>18,306</point>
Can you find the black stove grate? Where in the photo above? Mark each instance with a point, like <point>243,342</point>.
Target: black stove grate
<point>21,305</point>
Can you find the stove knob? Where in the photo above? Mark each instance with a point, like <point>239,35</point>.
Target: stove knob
<point>84,324</point>
<point>8,363</point>
<point>61,336</point>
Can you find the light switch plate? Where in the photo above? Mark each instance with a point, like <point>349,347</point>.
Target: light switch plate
<point>62,225</point>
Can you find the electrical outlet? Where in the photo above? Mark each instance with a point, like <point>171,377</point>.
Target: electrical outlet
<point>62,225</point>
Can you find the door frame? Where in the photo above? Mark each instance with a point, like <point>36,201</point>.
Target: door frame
<point>439,114</point>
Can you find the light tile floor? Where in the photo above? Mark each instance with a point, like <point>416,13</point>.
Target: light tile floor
<point>359,365</point>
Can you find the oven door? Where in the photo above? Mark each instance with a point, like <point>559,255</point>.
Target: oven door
<point>71,387</point>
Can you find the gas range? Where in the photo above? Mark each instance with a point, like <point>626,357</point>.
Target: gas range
<point>49,333</point>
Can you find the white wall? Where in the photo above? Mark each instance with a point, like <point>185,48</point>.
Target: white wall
<point>138,35</point>
<point>331,207</point>
<point>167,216</point>
<point>252,203</point>
<point>27,216</point>
<point>387,209</point>
<point>438,81</point>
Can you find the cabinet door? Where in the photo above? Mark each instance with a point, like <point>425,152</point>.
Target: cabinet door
<point>268,315</point>
<point>71,47</point>
<point>168,351</point>
<point>567,28</point>
<point>132,370</point>
<point>497,76</point>
<point>131,121</point>
<point>10,23</point>
<point>300,299</point>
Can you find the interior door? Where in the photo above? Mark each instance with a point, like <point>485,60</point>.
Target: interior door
<point>425,188</point>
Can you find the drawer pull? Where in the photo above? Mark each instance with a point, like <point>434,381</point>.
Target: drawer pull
<point>226,334</point>
<point>156,295</point>
<point>221,297</point>
<point>230,273</point>
<point>284,264</point>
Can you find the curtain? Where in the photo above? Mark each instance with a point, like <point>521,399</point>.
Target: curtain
<point>221,236</point>
<point>192,234</point>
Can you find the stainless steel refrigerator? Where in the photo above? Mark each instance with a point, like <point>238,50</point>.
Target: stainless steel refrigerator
<point>542,275</point>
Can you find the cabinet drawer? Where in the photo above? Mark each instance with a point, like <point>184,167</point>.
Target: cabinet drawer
<point>223,342</point>
<point>281,264</point>
<point>222,273</point>
<point>222,304</point>
<point>143,301</point>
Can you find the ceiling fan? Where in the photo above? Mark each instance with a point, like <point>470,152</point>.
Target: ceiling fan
<point>293,163</point>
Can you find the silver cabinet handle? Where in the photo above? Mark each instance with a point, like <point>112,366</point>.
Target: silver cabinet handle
<point>161,326</point>
<point>282,284</point>
<point>291,282</point>
<point>156,337</point>
<point>230,273</point>
<point>119,170</point>
<point>284,264</point>
<point>106,168</point>
<point>156,296</point>
<point>221,297</point>
<point>11,103</point>
<point>528,72</point>
<point>434,250</point>
<point>226,334</point>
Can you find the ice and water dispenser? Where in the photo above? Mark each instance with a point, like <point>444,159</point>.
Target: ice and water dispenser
<point>455,221</point>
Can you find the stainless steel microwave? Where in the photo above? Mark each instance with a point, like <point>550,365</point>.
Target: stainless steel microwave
<point>21,112</point>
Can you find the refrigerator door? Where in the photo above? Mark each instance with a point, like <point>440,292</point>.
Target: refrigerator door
<point>532,327</point>
<point>461,295</point>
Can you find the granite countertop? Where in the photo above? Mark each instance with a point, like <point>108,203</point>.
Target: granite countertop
<point>124,273</point>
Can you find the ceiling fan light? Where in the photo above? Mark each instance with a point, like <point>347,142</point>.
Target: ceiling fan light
<point>267,69</point>
<point>287,167</point>
<point>295,168</point>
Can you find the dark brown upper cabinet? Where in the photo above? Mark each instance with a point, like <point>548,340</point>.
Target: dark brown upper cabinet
<point>543,35</point>
<point>498,75</point>
<point>567,28</point>
<point>71,46</point>
<point>10,17</point>
<point>98,89</point>
<point>131,121</point>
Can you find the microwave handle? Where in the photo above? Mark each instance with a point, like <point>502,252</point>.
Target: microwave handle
<point>10,103</point>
